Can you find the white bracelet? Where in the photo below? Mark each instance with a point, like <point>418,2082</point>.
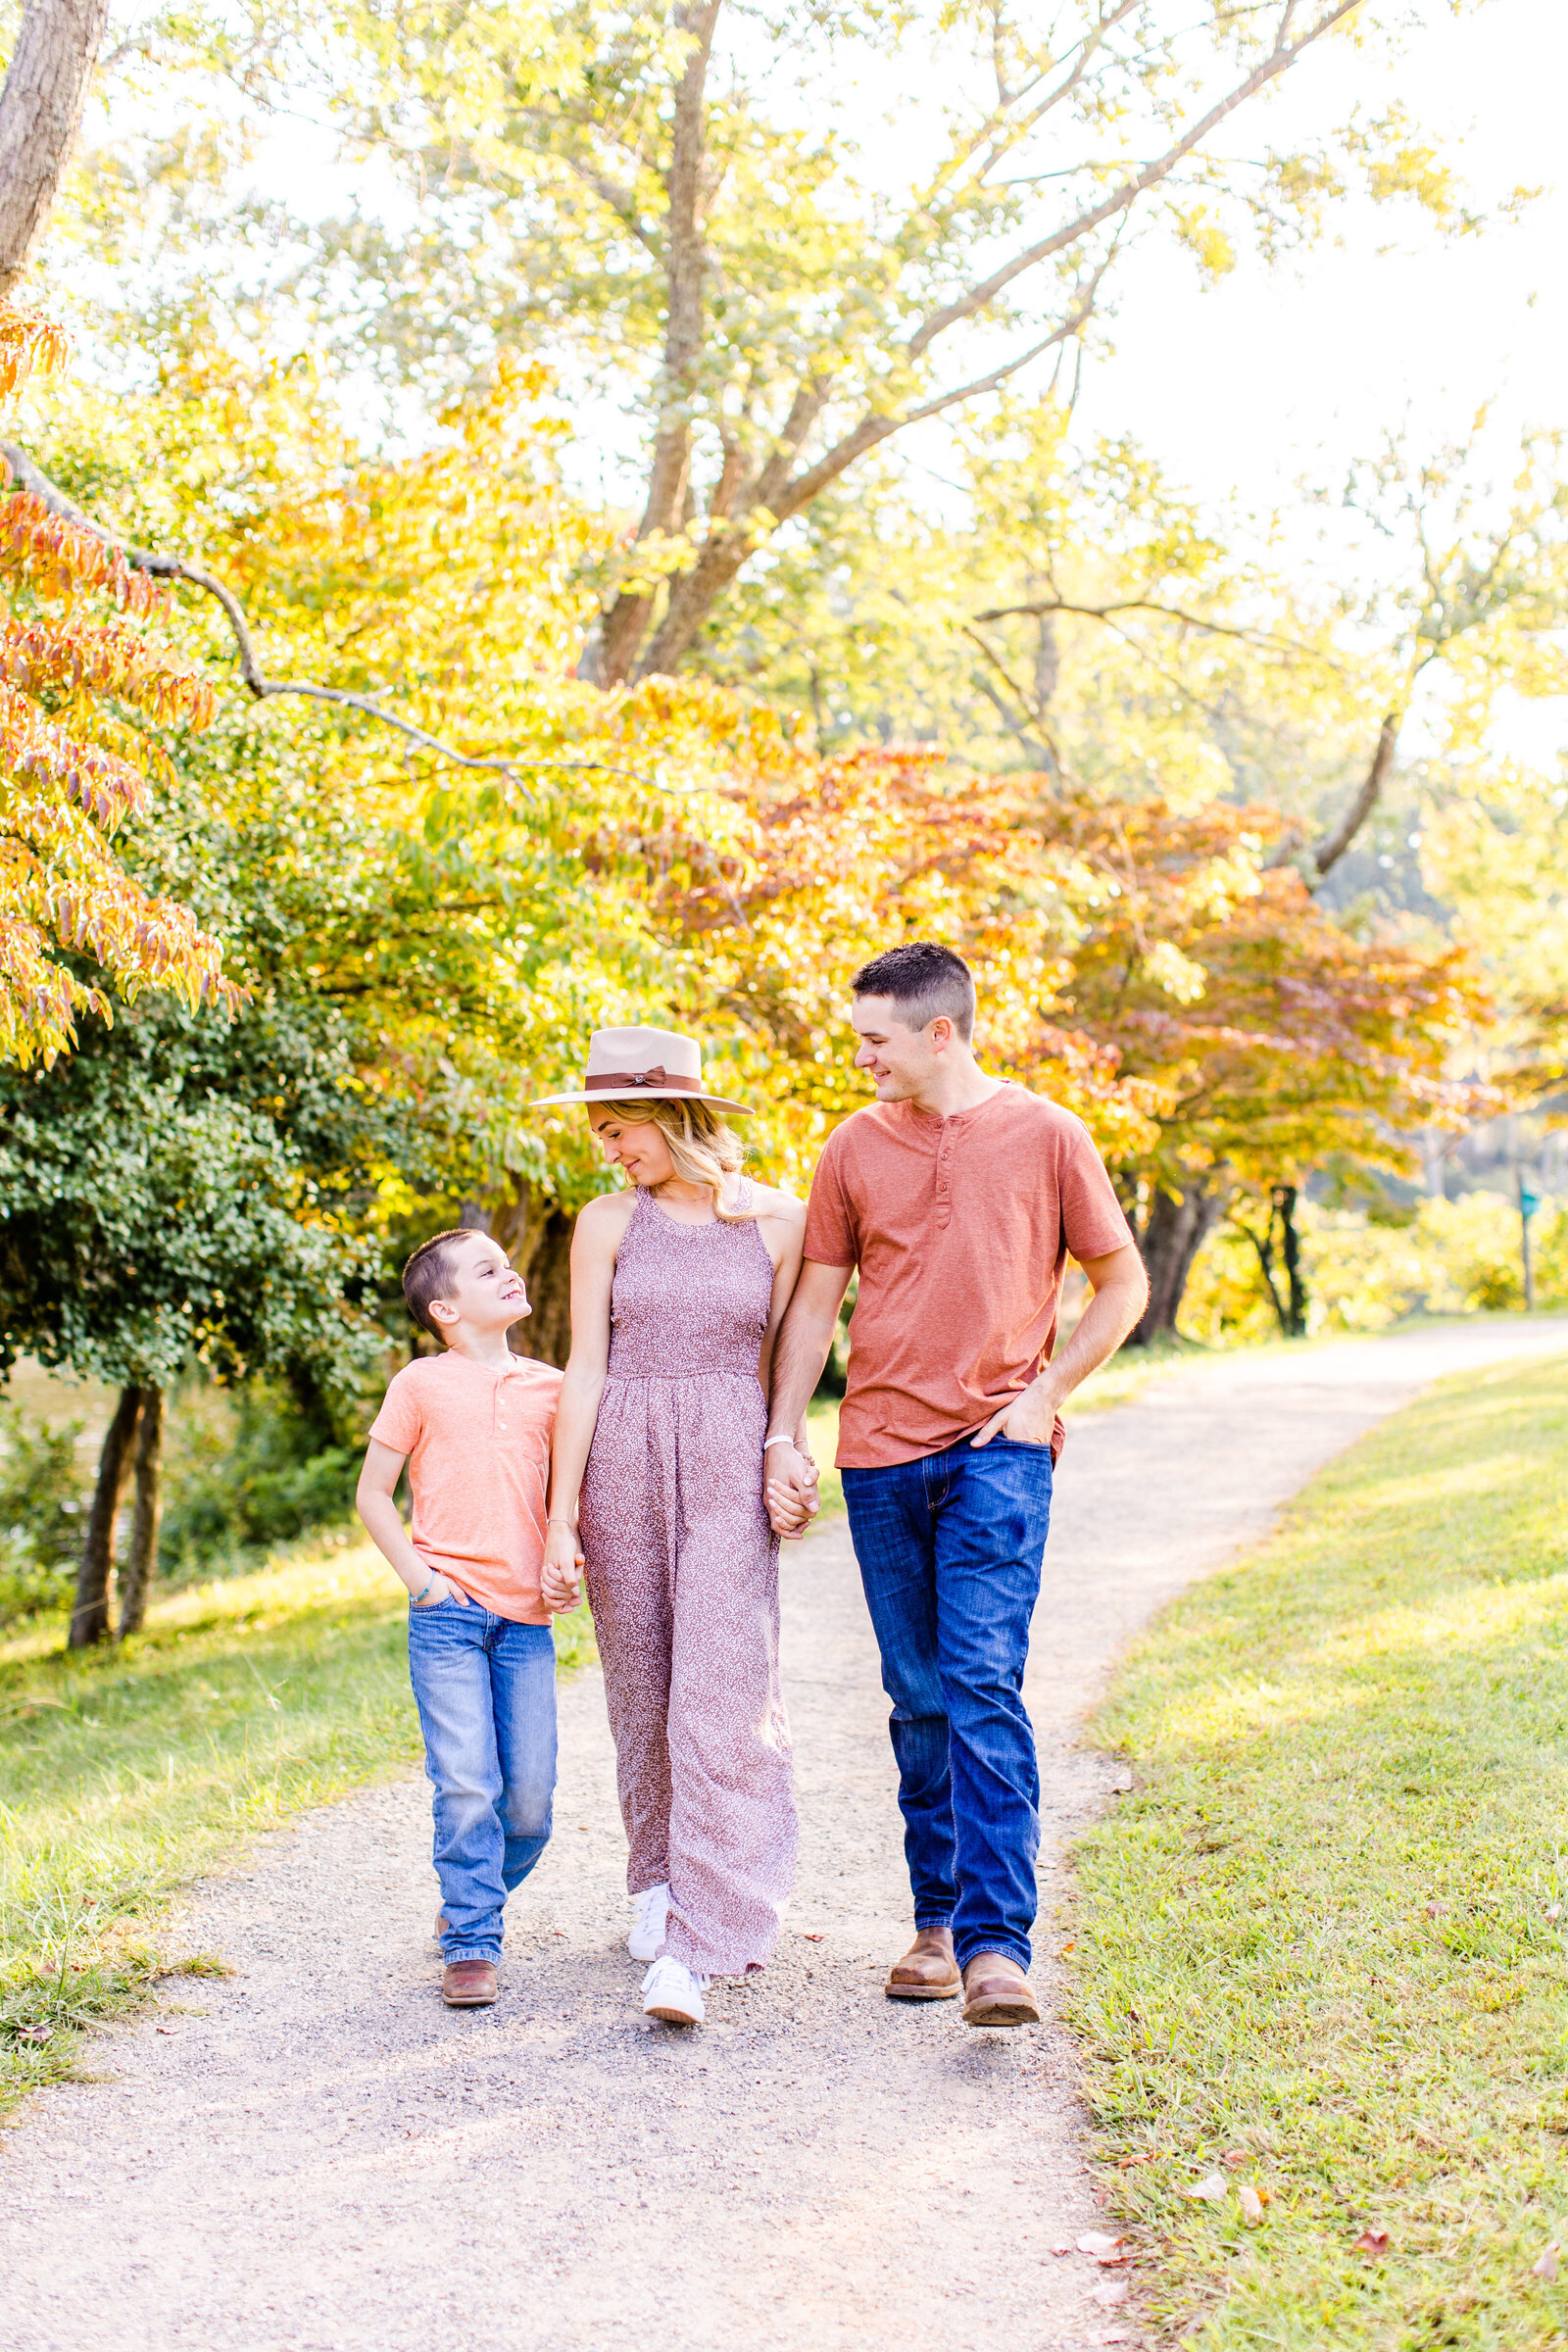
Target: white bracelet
<point>771,1441</point>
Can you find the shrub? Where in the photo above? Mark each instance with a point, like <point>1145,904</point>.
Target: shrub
<point>246,1470</point>
<point>43,1500</point>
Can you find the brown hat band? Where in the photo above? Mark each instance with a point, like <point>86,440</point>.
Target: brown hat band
<point>626,1082</point>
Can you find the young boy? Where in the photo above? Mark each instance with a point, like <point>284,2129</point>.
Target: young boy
<point>474,1424</point>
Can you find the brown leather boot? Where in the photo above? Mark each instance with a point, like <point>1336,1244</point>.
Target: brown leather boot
<point>927,1972</point>
<point>997,1992</point>
<point>469,1983</point>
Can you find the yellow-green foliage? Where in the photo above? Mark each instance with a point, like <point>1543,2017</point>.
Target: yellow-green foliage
<point>128,1772</point>
<point>1454,1257</point>
<point>1322,1950</point>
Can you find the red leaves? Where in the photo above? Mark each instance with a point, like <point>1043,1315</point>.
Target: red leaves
<point>60,557</point>
<point>28,341</point>
<point>1373,2243</point>
<point>72,772</point>
<point>37,655</point>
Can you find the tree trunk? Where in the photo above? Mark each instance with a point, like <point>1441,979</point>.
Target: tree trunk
<point>141,1563</point>
<point>541,1252</point>
<point>89,1619</point>
<point>1291,1252</point>
<point>40,116</point>
<point>1176,1228</point>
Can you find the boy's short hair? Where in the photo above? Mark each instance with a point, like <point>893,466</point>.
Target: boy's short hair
<point>925,981</point>
<point>428,1273</point>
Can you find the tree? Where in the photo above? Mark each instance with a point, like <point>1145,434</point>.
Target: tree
<point>614,185</point>
<point>1146,968</point>
<point>179,1191</point>
<point>1473,602</point>
<point>75,755</point>
<point>40,118</point>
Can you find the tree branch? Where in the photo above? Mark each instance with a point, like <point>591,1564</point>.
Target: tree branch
<point>1278,60</point>
<point>1333,849</point>
<point>37,484</point>
<point>1265,639</point>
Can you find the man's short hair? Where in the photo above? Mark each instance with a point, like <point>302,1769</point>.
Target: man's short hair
<point>924,981</point>
<point>428,1273</point>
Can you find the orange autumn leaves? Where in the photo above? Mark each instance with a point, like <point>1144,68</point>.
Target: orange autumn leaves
<point>1148,969</point>
<point>75,762</point>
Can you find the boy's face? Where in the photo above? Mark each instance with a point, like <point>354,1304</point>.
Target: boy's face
<point>481,1290</point>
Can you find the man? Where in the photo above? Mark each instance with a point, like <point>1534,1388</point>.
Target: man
<point>959,1197</point>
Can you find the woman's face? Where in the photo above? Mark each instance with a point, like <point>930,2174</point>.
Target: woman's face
<point>635,1145</point>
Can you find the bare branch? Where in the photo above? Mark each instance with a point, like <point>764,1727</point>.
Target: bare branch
<point>30,478</point>
<point>1266,640</point>
<point>1331,850</point>
<point>1120,199</point>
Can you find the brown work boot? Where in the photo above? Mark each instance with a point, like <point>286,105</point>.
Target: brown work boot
<point>469,1983</point>
<point>997,1992</point>
<point>927,1972</point>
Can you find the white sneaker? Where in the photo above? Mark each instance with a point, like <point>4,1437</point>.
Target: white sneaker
<point>671,1993</point>
<point>648,1912</point>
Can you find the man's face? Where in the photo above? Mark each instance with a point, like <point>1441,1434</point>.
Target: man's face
<point>899,1060</point>
<point>480,1289</point>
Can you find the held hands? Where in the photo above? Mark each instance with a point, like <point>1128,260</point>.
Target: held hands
<point>561,1578</point>
<point>790,1491</point>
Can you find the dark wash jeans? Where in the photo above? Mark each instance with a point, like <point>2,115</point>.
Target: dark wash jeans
<point>950,1551</point>
<point>485,1689</point>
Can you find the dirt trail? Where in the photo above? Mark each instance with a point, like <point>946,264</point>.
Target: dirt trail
<point>315,2154</point>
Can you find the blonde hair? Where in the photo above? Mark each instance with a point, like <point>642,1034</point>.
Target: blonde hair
<point>704,1149</point>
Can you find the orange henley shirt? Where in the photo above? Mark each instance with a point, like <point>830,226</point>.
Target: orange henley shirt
<point>961,1229</point>
<point>478,1446</point>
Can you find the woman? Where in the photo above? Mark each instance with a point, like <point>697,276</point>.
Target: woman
<point>678,1286</point>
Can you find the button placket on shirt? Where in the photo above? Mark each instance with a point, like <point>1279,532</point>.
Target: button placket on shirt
<point>945,1146</point>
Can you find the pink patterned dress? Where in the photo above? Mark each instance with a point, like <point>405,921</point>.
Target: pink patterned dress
<point>682,1573</point>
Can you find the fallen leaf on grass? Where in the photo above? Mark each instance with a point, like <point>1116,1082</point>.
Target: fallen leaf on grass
<point>1544,2265</point>
<point>1235,2158</point>
<point>1212,2187</point>
<point>809,1937</point>
<point>1066,1948</point>
<point>1373,2243</point>
<point>35,2034</point>
<point>1096,2242</point>
<point>1252,2205</point>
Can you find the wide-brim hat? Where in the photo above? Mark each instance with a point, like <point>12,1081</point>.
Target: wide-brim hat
<point>646,1065</point>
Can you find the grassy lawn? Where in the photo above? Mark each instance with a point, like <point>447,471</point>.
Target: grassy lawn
<point>126,1773</point>
<point>1322,1947</point>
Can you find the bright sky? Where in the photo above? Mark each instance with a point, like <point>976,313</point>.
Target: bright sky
<point>1291,370</point>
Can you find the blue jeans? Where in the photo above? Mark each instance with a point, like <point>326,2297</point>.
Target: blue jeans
<point>950,1551</point>
<point>485,1689</point>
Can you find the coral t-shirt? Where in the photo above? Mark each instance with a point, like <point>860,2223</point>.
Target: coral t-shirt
<point>961,1229</point>
<point>478,1439</point>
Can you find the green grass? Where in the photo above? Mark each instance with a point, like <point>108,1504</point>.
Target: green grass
<point>1322,1945</point>
<point>126,1773</point>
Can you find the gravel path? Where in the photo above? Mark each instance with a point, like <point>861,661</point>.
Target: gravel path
<point>315,2154</point>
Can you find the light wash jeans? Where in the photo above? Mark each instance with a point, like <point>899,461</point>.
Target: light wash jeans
<point>951,1549</point>
<point>485,1689</point>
